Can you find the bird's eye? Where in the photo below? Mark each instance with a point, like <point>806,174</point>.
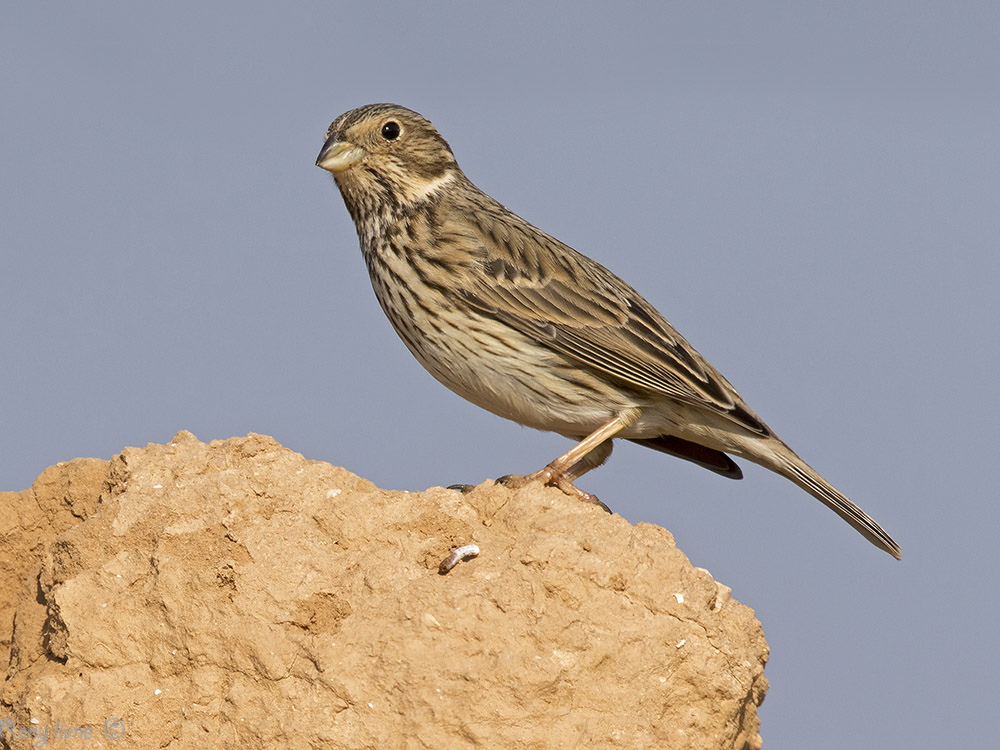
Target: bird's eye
<point>390,131</point>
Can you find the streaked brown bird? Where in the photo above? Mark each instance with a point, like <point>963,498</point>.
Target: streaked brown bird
<point>526,327</point>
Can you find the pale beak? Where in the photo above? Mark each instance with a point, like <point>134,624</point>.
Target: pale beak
<point>337,156</point>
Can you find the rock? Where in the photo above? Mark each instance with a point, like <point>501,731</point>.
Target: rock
<point>60,498</point>
<point>235,594</point>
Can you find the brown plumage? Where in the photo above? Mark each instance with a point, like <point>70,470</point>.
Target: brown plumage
<point>522,325</point>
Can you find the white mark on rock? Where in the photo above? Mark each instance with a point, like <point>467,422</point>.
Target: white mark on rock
<point>459,553</point>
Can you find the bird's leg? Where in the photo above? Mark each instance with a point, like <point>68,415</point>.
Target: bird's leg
<point>592,460</point>
<point>588,454</point>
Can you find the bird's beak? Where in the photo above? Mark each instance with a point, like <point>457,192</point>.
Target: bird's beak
<point>337,156</point>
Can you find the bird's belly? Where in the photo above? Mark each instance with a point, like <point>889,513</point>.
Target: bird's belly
<point>511,375</point>
<point>558,396</point>
<point>516,378</point>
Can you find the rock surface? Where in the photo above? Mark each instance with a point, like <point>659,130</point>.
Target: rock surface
<point>234,594</point>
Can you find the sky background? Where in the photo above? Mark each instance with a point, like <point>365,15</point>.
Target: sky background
<point>809,192</point>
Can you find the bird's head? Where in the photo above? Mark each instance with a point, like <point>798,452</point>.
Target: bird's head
<point>387,156</point>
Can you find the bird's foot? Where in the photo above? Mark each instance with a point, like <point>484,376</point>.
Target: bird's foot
<point>551,478</point>
<point>463,488</point>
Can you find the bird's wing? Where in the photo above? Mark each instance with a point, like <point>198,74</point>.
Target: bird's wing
<point>576,307</point>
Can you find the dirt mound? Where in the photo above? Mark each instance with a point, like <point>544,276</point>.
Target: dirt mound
<point>235,594</point>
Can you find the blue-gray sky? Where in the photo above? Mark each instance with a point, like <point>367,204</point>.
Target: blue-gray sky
<point>808,192</point>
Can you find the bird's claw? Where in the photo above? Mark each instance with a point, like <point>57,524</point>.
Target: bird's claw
<point>550,479</point>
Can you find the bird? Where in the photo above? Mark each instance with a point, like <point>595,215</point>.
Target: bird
<point>524,326</point>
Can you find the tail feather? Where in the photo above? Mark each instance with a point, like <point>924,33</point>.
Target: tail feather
<point>815,485</point>
<point>772,453</point>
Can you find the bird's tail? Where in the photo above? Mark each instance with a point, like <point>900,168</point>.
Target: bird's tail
<point>794,468</point>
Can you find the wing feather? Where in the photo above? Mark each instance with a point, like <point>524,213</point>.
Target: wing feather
<point>576,307</point>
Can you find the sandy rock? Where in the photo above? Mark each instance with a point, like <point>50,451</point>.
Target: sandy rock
<point>234,594</point>
<point>61,497</point>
